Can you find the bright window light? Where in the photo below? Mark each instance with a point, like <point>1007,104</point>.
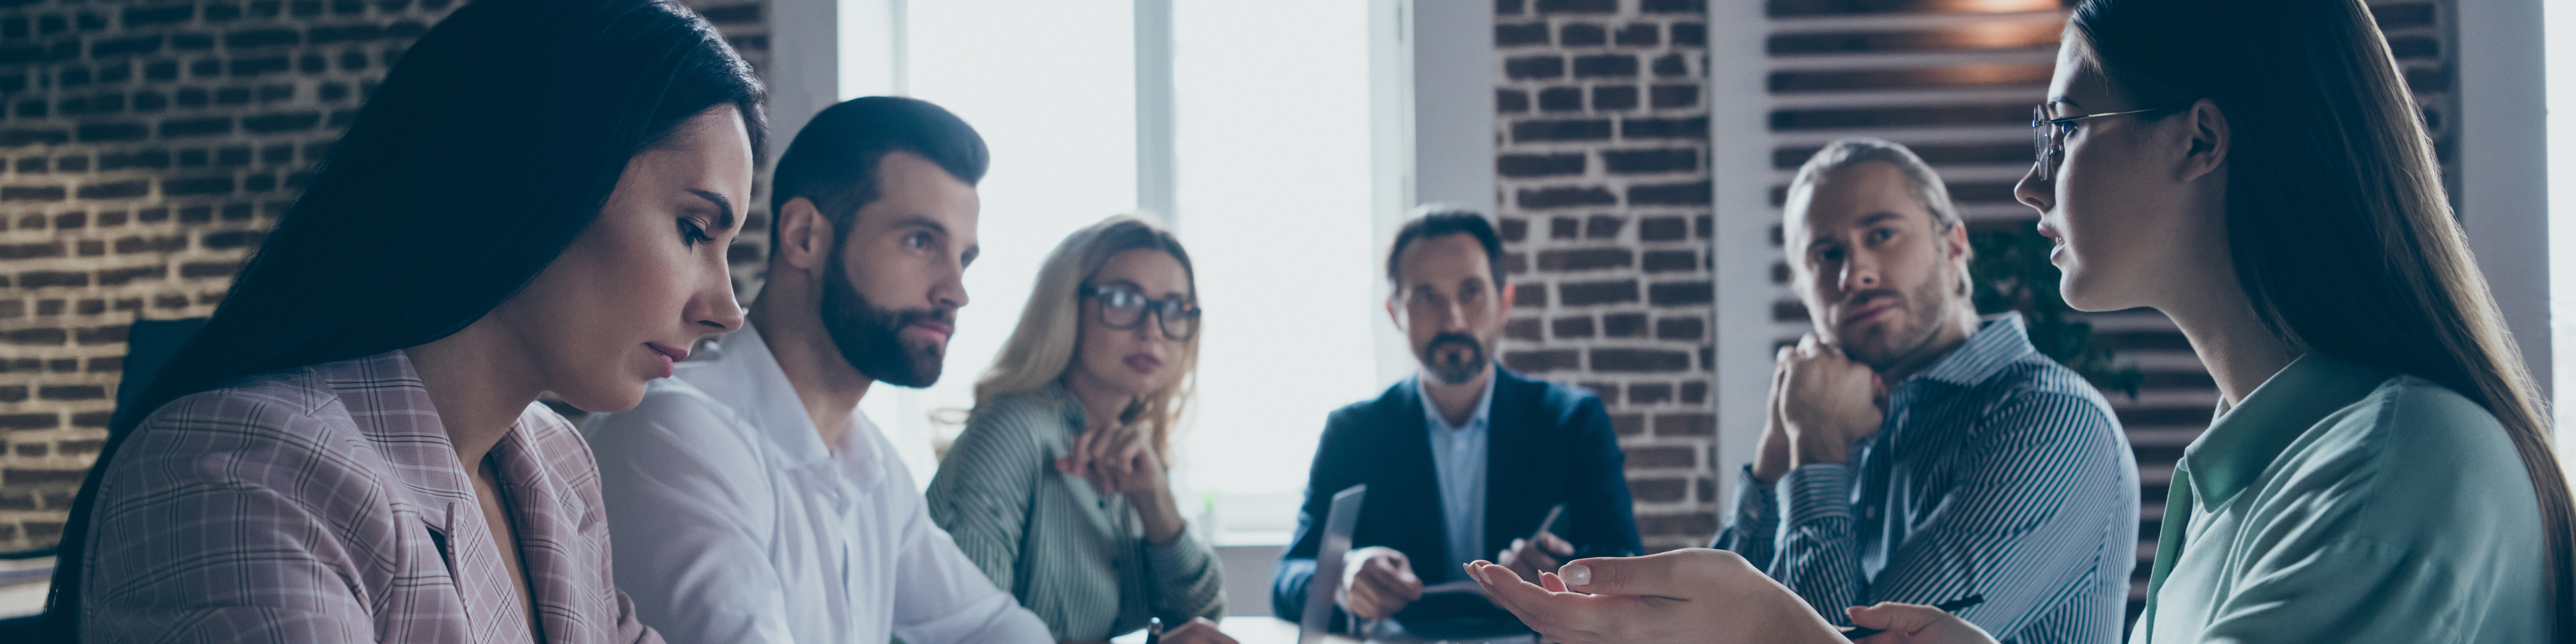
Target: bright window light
<point>1052,90</point>
<point>1274,199</point>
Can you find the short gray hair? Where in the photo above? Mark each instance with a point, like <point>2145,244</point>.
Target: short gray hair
<point>1845,153</point>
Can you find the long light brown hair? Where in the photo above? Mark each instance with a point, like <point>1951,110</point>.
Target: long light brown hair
<point>1040,351</point>
<point>2336,216</point>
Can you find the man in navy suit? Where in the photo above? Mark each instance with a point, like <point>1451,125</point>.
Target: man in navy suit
<point>1465,458</point>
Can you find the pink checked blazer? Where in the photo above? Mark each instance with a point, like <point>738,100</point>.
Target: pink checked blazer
<point>324,504</point>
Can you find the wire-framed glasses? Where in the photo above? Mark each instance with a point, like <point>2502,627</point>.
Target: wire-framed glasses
<point>1124,308</point>
<point>2048,135</point>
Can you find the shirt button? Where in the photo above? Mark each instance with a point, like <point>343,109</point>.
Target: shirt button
<point>1870,512</point>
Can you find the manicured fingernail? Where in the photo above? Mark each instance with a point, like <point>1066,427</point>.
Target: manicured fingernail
<point>1575,574</point>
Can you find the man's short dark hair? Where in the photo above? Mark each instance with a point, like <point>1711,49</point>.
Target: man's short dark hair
<point>1443,223</point>
<point>833,161</point>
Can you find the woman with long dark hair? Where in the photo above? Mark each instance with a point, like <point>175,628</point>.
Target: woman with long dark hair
<point>537,198</point>
<point>2379,469</point>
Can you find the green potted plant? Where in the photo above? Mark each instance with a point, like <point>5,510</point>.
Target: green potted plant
<point>2011,272</point>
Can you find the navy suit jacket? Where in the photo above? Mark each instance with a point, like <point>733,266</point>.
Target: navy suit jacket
<point>1547,443</point>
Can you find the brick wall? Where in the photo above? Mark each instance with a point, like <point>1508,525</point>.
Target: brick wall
<point>148,146</point>
<point>1601,148</point>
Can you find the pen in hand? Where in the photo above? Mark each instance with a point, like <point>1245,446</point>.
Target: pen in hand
<point>1951,606</point>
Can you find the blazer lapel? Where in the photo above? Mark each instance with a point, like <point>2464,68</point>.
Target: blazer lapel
<point>1517,495</point>
<point>1411,495</point>
<point>547,527</point>
<point>392,409</point>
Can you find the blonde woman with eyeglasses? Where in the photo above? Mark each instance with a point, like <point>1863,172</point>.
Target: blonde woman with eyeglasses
<point>1058,487</point>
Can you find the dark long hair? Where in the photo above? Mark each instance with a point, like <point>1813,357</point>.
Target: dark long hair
<point>2336,216</point>
<point>489,146</point>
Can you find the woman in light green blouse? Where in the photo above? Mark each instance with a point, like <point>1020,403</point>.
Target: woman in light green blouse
<point>1057,487</point>
<point>2378,470</point>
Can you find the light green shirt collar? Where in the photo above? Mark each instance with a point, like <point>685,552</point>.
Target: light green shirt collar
<point>2247,438</point>
<point>2336,503</point>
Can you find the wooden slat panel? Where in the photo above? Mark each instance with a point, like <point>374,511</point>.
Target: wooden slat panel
<point>1926,116</point>
<point>2409,49</point>
<point>2034,76</point>
<point>1801,8</point>
<point>2391,16</point>
<point>1938,154</point>
<point>2036,35</point>
<point>2164,415</point>
<point>1961,192</point>
<point>2402,15</point>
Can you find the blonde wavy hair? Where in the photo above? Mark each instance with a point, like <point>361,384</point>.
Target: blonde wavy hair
<point>1040,351</point>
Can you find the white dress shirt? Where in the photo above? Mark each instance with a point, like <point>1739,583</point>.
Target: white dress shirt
<point>733,523</point>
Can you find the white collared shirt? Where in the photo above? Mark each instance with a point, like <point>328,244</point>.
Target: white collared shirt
<point>733,523</point>
<point>1458,455</point>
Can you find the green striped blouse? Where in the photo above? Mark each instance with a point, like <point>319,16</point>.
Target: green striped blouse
<point>1076,558</point>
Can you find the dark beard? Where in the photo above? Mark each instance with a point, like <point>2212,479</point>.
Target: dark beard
<point>1924,309</point>
<point>868,335</point>
<point>1454,372</point>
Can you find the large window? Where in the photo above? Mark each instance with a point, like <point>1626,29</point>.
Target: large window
<point>1274,200</point>
<point>1271,193</point>
<point>1061,127</point>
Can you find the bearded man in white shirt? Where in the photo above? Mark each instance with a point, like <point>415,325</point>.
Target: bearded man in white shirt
<point>749,499</point>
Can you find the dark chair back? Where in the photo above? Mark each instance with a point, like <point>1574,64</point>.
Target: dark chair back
<point>149,344</point>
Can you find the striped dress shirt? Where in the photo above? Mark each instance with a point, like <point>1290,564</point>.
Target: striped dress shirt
<point>1077,558</point>
<point>325,504</point>
<point>1995,472</point>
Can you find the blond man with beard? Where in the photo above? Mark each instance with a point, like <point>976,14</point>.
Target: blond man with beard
<point>1914,452</point>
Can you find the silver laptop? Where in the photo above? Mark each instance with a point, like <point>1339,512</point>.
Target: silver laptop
<point>1339,524</point>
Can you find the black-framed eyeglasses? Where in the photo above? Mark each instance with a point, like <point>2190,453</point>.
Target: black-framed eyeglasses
<point>2048,135</point>
<point>1124,308</point>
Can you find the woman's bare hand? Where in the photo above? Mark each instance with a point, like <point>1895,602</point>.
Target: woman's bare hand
<point>1693,595</point>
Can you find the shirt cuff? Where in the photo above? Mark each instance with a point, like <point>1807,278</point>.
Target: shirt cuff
<point>1817,491</point>
<point>1184,554</point>
<point>1755,506</point>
